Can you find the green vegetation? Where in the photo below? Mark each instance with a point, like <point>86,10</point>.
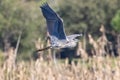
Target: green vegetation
<point>18,16</point>
<point>116,22</point>
<point>79,15</point>
<point>24,16</point>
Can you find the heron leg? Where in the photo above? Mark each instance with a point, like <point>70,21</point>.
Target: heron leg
<point>54,56</point>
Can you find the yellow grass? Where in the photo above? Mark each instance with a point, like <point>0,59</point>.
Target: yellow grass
<point>85,68</point>
<point>96,68</point>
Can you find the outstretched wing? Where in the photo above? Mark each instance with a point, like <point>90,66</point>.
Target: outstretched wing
<point>54,22</point>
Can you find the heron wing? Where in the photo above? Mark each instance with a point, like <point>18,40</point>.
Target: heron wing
<point>71,37</point>
<point>54,22</point>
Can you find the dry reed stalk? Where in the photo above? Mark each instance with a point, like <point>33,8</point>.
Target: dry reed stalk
<point>102,41</point>
<point>49,50</point>
<point>81,51</point>
<point>97,68</point>
<point>39,45</point>
<point>100,44</point>
<point>118,44</point>
<point>9,63</point>
<point>95,45</point>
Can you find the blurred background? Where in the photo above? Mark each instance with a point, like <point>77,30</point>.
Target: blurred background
<point>98,20</point>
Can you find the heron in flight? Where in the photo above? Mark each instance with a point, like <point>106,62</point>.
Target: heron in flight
<point>58,38</point>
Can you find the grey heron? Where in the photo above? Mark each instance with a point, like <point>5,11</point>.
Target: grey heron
<point>58,38</point>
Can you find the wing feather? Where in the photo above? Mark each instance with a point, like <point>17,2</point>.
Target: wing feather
<point>54,22</point>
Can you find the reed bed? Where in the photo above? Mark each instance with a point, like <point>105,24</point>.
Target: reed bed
<point>96,68</point>
<point>101,66</point>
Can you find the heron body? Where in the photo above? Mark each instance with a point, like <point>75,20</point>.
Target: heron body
<point>58,38</point>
